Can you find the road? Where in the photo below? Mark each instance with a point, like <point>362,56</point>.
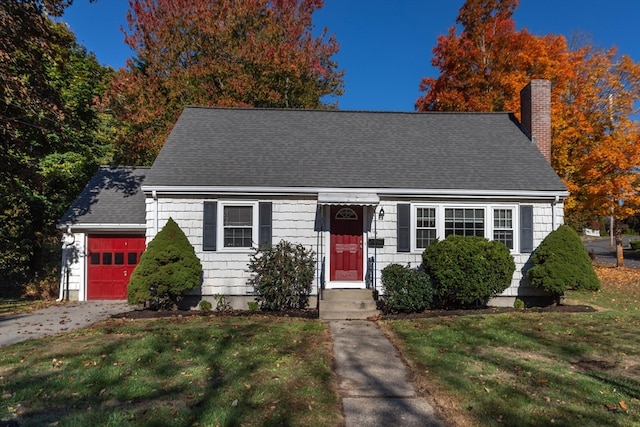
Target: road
<point>606,255</point>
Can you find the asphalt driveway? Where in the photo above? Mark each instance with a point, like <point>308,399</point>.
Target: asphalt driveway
<point>60,317</point>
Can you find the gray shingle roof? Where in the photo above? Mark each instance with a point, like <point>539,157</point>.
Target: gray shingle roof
<point>350,149</point>
<point>112,196</point>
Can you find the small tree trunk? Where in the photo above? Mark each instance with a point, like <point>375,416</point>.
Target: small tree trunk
<point>619,253</point>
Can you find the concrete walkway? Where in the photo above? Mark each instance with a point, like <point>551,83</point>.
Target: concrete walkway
<point>373,381</point>
<point>60,317</point>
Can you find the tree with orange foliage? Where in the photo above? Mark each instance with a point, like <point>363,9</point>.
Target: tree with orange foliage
<point>250,53</point>
<point>595,146</point>
<point>485,66</point>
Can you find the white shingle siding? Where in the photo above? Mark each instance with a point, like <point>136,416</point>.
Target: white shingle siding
<point>74,258</point>
<point>225,272</point>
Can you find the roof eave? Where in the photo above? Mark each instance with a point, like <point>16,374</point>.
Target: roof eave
<point>383,192</point>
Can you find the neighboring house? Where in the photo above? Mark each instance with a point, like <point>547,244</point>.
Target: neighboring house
<point>362,189</point>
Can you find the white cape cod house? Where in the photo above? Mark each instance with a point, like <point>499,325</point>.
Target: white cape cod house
<point>362,189</point>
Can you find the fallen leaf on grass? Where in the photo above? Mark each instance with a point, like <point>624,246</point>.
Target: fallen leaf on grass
<point>623,405</point>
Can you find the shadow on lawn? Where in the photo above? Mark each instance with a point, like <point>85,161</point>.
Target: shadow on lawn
<point>528,373</point>
<point>136,378</point>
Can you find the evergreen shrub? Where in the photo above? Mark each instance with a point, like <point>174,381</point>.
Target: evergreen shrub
<point>168,267</point>
<point>282,276</point>
<point>561,262</point>
<point>406,290</point>
<point>467,270</point>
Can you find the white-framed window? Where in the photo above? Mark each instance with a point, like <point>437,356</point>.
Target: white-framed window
<point>426,231</point>
<point>437,221</point>
<point>238,225</point>
<point>503,226</point>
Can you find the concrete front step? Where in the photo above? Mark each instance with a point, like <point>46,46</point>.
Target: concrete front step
<point>341,304</point>
<point>347,294</point>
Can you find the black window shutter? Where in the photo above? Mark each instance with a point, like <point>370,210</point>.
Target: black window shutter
<point>209,226</point>
<point>264,231</point>
<point>404,219</point>
<point>526,229</point>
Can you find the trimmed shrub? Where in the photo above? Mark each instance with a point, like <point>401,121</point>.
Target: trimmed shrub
<point>406,290</point>
<point>167,268</point>
<point>282,276</point>
<point>468,271</point>
<point>561,262</point>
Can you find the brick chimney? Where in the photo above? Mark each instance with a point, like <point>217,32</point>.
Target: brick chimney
<point>535,111</point>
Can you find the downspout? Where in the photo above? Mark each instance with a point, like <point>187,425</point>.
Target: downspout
<point>553,213</point>
<point>154,194</point>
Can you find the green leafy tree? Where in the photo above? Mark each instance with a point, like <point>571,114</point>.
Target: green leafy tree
<point>282,276</point>
<point>561,262</point>
<point>49,127</point>
<point>468,270</point>
<point>251,53</point>
<point>168,267</point>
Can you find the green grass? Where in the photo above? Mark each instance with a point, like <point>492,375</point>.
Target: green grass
<point>194,371</point>
<point>534,369</point>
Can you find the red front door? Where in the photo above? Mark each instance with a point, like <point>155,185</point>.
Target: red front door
<point>111,261</point>
<point>346,243</point>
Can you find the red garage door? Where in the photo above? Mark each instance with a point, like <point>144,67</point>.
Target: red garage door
<point>111,262</point>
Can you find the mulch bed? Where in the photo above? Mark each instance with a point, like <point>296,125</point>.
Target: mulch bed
<point>313,314</point>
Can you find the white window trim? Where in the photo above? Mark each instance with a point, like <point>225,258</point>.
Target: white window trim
<point>488,220</point>
<point>515,223</point>
<point>220,225</point>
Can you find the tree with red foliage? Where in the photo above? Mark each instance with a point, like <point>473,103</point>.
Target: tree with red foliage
<point>253,53</point>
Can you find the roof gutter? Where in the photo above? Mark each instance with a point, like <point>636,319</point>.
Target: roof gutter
<point>388,192</point>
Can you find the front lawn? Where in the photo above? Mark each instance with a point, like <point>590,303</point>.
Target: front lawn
<point>534,369</point>
<point>192,371</point>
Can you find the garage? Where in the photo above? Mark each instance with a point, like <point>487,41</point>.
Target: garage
<point>111,260</point>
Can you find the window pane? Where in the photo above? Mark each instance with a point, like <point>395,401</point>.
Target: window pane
<point>504,236</point>
<point>132,258</point>
<point>426,217</point>
<point>106,258</point>
<point>95,258</point>
<point>119,258</point>
<point>464,222</point>
<point>503,226</point>
<point>425,227</point>
<point>425,237</point>
<point>238,216</point>
<point>237,237</point>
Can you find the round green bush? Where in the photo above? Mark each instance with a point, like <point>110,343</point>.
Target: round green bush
<point>561,262</point>
<point>205,306</point>
<point>168,267</point>
<point>406,290</point>
<point>282,276</point>
<point>468,270</point>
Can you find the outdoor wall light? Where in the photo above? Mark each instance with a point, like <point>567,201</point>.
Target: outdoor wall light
<point>381,214</point>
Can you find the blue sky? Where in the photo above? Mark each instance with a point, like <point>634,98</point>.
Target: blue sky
<point>385,45</point>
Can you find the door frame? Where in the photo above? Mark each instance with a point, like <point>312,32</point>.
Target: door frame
<point>339,284</point>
